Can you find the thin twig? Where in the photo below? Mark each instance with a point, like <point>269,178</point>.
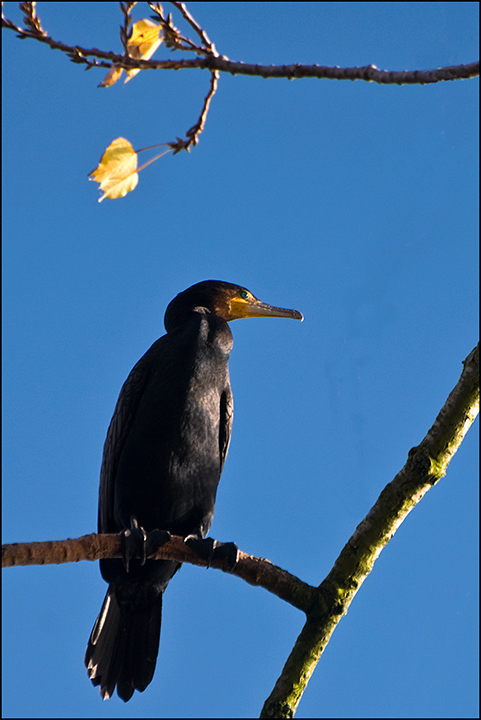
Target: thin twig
<point>193,133</point>
<point>206,42</point>
<point>173,38</point>
<point>31,18</point>
<point>125,30</point>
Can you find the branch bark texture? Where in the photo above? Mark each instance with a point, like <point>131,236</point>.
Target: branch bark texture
<point>254,570</point>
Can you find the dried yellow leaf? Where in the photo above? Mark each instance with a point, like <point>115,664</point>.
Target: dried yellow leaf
<point>142,44</point>
<point>117,170</point>
<point>145,36</point>
<point>111,77</point>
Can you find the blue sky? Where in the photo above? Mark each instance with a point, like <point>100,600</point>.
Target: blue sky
<point>352,202</point>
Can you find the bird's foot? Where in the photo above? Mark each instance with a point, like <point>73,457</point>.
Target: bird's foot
<point>137,543</point>
<point>132,543</point>
<point>210,550</point>
<point>155,540</point>
<point>228,553</point>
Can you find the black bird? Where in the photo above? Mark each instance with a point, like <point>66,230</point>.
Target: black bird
<point>162,461</point>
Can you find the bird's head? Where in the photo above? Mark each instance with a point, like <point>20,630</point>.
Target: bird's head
<point>224,299</point>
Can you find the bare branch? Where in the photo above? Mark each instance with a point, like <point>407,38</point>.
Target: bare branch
<point>126,28</point>
<point>214,62</point>
<point>192,135</point>
<point>209,46</point>
<point>173,38</point>
<point>370,73</point>
<point>426,464</point>
<point>32,21</point>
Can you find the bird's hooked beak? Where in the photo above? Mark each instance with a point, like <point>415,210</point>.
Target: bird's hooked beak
<point>248,306</point>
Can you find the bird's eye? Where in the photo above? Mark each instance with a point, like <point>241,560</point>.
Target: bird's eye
<point>244,294</point>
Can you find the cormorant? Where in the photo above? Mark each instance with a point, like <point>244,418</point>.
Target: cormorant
<point>162,460</point>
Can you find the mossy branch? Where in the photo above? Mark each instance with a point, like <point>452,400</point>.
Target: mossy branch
<point>426,464</point>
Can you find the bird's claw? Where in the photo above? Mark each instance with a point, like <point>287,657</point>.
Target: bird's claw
<point>132,541</point>
<point>226,552</point>
<point>137,543</point>
<point>210,550</point>
<point>203,548</point>
<point>155,540</point>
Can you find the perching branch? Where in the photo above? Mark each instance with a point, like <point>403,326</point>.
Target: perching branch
<point>254,570</point>
<point>327,604</point>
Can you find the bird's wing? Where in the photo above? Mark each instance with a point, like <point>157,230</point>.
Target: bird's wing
<point>119,428</point>
<point>225,425</point>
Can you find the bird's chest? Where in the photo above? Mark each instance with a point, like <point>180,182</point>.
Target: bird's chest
<point>171,463</point>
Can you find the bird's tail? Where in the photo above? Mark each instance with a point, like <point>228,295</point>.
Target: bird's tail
<point>123,646</point>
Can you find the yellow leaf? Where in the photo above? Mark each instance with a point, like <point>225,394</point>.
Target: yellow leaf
<point>117,170</point>
<point>145,35</point>
<point>143,43</point>
<point>111,77</point>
